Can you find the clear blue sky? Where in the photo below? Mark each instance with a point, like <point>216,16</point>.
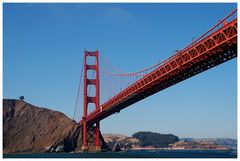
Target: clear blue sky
<point>42,55</point>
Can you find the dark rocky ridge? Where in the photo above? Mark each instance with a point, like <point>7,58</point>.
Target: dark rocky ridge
<point>28,128</point>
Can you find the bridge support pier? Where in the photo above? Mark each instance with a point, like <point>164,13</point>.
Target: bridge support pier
<point>97,137</point>
<point>92,134</point>
<point>85,144</point>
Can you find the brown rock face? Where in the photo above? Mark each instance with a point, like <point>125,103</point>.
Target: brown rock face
<point>117,142</point>
<point>27,128</point>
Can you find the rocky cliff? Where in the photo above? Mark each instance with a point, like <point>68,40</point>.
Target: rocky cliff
<point>117,142</point>
<point>28,128</point>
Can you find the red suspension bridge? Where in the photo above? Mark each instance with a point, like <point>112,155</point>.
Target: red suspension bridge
<point>119,89</point>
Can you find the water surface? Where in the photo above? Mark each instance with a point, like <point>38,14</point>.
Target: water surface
<point>135,154</point>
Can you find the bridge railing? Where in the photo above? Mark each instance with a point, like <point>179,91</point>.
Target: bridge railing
<point>227,19</point>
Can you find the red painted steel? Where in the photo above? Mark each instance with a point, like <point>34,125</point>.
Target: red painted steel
<point>214,47</point>
<point>90,99</point>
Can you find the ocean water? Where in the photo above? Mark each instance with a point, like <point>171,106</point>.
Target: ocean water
<point>135,154</point>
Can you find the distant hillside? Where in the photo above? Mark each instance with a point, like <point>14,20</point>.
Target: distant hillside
<point>155,139</point>
<point>197,145</point>
<point>227,142</point>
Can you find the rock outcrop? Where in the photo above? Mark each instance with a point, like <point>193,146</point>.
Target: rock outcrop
<point>27,128</point>
<point>117,142</point>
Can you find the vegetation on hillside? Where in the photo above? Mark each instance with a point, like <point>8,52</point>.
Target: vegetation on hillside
<point>155,139</point>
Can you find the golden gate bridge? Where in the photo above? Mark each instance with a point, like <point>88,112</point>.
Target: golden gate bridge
<point>107,90</point>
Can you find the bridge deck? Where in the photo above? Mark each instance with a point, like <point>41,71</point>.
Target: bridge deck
<point>215,48</point>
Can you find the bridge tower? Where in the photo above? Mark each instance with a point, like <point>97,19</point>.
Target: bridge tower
<point>91,99</point>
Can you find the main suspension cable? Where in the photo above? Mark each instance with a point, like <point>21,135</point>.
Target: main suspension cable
<point>79,87</point>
